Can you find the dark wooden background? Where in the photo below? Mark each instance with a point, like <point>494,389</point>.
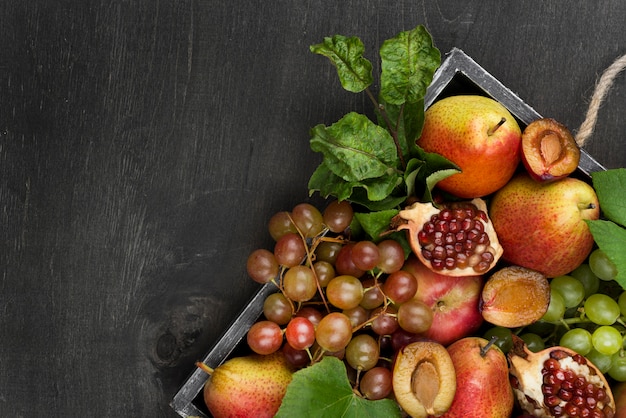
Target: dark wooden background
<point>144,144</point>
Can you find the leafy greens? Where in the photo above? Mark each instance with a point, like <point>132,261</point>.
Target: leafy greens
<point>377,164</point>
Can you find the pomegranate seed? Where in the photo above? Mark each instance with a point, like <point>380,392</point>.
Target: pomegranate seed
<point>551,401</point>
<point>565,394</point>
<point>559,354</point>
<point>572,410</point>
<point>445,214</point>
<point>551,364</point>
<point>441,226</point>
<point>591,402</point>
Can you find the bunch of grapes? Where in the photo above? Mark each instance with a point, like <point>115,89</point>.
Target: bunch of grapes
<point>586,313</point>
<point>336,295</point>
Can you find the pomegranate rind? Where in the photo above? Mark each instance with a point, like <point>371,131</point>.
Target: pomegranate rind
<point>526,367</point>
<point>407,361</point>
<point>413,218</point>
<point>514,297</point>
<point>549,151</point>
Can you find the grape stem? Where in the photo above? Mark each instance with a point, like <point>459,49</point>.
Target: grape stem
<point>309,258</point>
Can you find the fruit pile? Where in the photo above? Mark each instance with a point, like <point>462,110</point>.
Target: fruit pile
<point>453,271</point>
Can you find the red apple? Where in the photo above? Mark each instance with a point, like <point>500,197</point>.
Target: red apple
<point>454,301</point>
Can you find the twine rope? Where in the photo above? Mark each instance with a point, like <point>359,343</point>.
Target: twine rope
<point>599,94</point>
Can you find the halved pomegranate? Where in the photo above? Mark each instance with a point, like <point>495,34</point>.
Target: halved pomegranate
<point>558,382</point>
<point>454,239</point>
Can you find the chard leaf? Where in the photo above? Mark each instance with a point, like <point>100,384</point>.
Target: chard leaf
<point>375,223</point>
<point>610,187</point>
<point>346,54</point>
<point>375,191</point>
<point>327,183</point>
<point>359,197</point>
<point>411,172</point>
<point>409,61</point>
<point>407,121</point>
<point>381,187</point>
<point>323,390</point>
<point>434,168</point>
<point>355,148</point>
<point>611,239</point>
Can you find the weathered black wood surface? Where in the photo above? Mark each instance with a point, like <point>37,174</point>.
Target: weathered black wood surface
<point>144,144</point>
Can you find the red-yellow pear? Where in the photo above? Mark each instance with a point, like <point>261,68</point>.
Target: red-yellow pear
<point>541,225</point>
<point>250,386</point>
<point>480,136</point>
<point>482,378</point>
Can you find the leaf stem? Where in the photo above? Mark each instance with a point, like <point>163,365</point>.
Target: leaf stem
<point>392,129</point>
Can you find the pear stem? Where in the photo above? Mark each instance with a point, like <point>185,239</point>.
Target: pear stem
<point>492,341</point>
<point>493,129</point>
<point>205,368</point>
<point>584,206</point>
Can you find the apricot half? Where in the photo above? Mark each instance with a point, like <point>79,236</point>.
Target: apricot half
<point>424,380</point>
<point>514,297</point>
<point>549,151</point>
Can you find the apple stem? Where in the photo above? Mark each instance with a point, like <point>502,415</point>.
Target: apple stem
<point>492,341</point>
<point>495,128</point>
<point>205,368</point>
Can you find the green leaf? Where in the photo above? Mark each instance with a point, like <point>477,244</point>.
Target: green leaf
<point>373,192</point>
<point>323,390</point>
<point>407,121</point>
<point>409,61</point>
<point>611,239</point>
<point>346,53</point>
<point>329,184</point>
<point>355,148</point>
<point>375,223</point>
<point>610,187</point>
<point>359,196</point>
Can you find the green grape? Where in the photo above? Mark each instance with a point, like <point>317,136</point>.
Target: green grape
<point>618,366</point>
<point>601,309</point>
<point>601,361</point>
<point>280,224</point>
<point>577,339</point>
<point>585,275</point>
<point>334,332</point>
<point>338,215</point>
<point>601,265</point>
<point>299,284</point>
<point>556,308</point>
<point>621,301</point>
<point>571,289</point>
<point>276,308</point>
<point>415,316</point>
<point>362,352</point>
<point>324,271</point>
<point>541,328</point>
<point>308,219</point>
<point>504,335</point>
<point>533,341</point>
<point>345,292</point>
<point>607,340</point>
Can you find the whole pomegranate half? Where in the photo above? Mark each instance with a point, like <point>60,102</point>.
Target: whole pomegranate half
<point>558,382</point>
<point>453,239</point>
